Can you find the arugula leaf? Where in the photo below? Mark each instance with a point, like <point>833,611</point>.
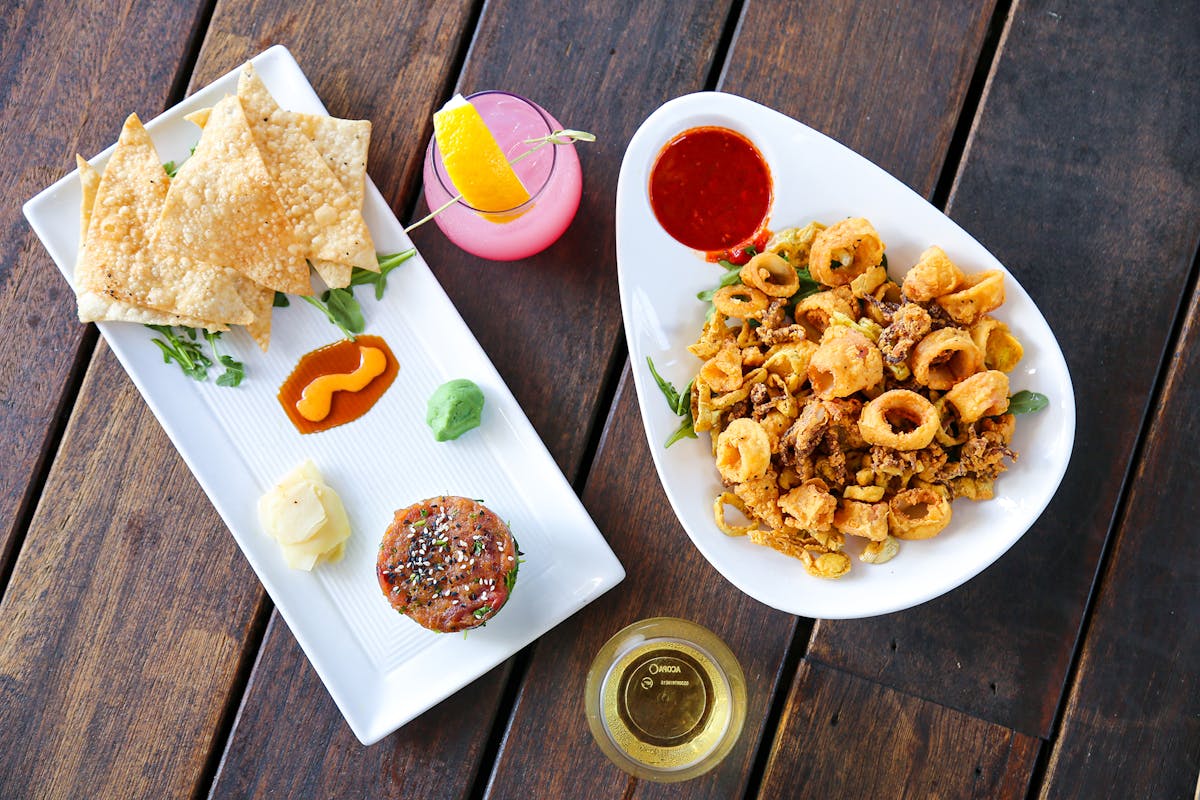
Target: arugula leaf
<point>187,353</point>
<point>322,305</point>
<point>387,263</point>
<point>674,398</point>
<point>684,431</point>
<point>510,577</point>
<point>680,404</point>
<point>346,309</point>
<point>1027,402</point>
<point>234,372</point>
<point>281,300</point>
<point>731,277</point>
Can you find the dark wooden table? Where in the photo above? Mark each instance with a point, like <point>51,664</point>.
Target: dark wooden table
<point>140,657</point>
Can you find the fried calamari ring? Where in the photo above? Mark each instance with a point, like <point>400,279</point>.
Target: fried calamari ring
<point>790,362</point>
<point>1000,348</point>
<point>723,372</point>
<point>932,276</point>
<point>743,302</point>
<point>725,526</point>
<point>843,251</point>
<point>743,451</point>
<point>900,419</point>
<point>845,363</point>
<point>815,312</point>
<point>984,394</point>
<point>918,513</point>
<point>945,357</point>
<point>771,274</point>
<point>868,520</point>
<point>811,505</point>
<point>794,243</point>
<point>982,293</point>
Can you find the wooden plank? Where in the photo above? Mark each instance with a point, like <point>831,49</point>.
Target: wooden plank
<point>622,474</point>
<point>290,739</point>
<point>526,341</point>
<point>886,80</point>
<point>1134,689</point>
<point>1077,162</point>
<point>666,577</point>
<point>68,77</point>
<point>126,617</point>
<point>551,323</point>
<point>145,718</point>
<point>844,736</point>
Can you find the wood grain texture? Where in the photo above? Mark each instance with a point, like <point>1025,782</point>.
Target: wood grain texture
<point>666,576</point>
<point>885,79</point>
<point>386,61</point>
<point>70,72</point>
<point>1134,692</point>
<point>289,713</point>
<point>551,323</point>
<point>126,617</point>
<point>842,736</point>
<point>397,86</point>
<point>1083,157</point>
<point>622,469</point>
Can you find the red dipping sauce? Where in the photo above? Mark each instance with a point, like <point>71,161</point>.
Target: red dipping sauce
<point>711,190</point>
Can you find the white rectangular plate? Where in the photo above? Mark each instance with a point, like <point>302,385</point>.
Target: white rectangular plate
<point>381,668</point>
<point>815,178</point>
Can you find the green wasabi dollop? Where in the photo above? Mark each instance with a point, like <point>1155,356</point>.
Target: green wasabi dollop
<point>454,408</point>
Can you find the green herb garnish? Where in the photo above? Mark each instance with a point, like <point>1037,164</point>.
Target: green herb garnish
<point>359,277</point>
<point>186,352</point>
<point>235,370</point>
<point>171,168</point>
<point>340,308</point>
<point>280,301</point>
<point>1027,402</point>
<point>440,542</point>
<point>680,404</point>
<point>477,548</point>
<point>482,612</point>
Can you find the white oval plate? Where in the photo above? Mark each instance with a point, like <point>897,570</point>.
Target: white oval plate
<point>815,178</point>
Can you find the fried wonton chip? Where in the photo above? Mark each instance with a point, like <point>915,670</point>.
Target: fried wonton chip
<point>117,262</point>
<point>322,212</point>
<point>261,302</point>
<point>94,307</point>
<point>222,207</point>
<point>343,143</point>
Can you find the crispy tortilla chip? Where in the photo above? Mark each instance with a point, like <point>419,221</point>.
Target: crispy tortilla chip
<point>117,262</point>
<point>94,307</point>
<point>343,143</point>
<point>199,117</point>
<point>261,302</point>
<point>324,215</point>
<point>222,208</point>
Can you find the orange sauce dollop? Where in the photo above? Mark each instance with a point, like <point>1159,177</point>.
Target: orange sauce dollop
<point>340,358</point>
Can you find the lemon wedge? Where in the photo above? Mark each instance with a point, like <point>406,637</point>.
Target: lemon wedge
<point>474,160</point>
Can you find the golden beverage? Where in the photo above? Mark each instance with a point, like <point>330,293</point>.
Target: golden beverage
<point>666,699</point>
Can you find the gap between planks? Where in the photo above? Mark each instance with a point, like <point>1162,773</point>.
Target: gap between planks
<point>1150,416</point>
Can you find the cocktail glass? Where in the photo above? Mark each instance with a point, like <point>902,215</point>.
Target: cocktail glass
<point>551,175</point>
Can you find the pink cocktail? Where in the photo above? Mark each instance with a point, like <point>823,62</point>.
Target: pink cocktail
<point>551,175</point>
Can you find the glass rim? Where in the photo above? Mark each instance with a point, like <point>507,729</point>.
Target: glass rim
<point>449,187</point>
